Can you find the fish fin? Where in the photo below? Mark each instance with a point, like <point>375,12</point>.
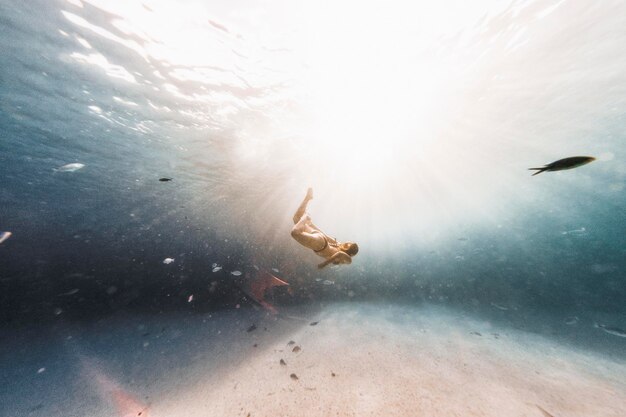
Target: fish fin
<point>539,170</point>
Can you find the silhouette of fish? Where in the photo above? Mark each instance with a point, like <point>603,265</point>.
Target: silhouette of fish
<point>566,163</point>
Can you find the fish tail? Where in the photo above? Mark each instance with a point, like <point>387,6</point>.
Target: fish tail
<point>539,170</point>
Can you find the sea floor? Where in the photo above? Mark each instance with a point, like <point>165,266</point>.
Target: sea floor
<point>357,360</point>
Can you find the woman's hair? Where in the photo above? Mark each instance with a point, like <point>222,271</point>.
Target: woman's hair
<point>351,248</point>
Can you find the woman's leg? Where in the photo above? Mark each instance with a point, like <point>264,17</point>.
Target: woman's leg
<point>302,209</point>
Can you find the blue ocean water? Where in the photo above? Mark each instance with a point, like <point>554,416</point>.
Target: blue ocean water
<point>415,126</point>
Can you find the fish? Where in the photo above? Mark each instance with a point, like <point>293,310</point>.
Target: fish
<point>615,331</point>
<point>571,320</point>
<point>563,164</point>
<point>499,307</point>
<point>294,377</point>
<point>575,232</point>
<point>70,167</point>
<point>296,349</point>
<point>168,261</point>
<point>165,179</point>
<point>4,236</point>
<point>282,362</point>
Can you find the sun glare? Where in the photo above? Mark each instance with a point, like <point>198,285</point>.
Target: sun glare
<point>388,110</point>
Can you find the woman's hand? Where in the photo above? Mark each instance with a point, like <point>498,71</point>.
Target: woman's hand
<point>337,258</point>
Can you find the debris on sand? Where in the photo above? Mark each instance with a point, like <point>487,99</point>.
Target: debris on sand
<point>168,261</point>
<point>4,236</point>
<point>165,179</point>
<point>314,323</point>
<point>70,167</point>
<point>251,328</point>
<point>291,342</point>
<point>294,377</point>
<point>296,349</point>
<point>282,362</point>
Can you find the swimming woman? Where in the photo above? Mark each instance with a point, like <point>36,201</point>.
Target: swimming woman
<point>310,236</point>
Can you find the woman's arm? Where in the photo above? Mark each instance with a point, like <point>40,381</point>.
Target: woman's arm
<point>337,258</point>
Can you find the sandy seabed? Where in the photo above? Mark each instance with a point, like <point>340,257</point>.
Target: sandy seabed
<point>394,361</point>
<point>358,360</point>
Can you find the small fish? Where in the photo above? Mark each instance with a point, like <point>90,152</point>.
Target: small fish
<point>190,299</point>
<point>575,232</point>
<point>168,261</point>
<point>251,328</point>
<point>70,167</point>
<point>571,320</point>
<point>282,362</point>
<point>500,307</point>
<point>70,292</point>
<point>291,342</point>
<point>314,323</point>
<point>217,268</point>
<point>615,331</point>
<point>328,282</point>
<point>4,236</point>
<point>165,179</point>
<point>476,333</point>
<point>566,163</point>
<point>294,377</point>
<point>236,273</point>
<point>296,349</point>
